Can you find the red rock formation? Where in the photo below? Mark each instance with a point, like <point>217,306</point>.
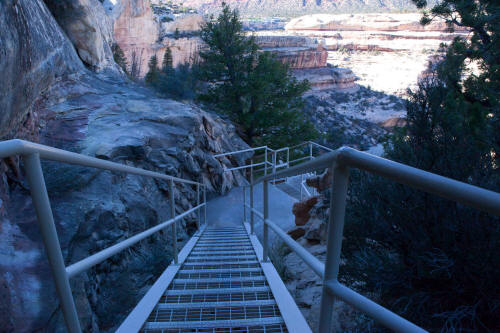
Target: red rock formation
<point>301,58</point>
<point>138,34</point>
<point>301,210</point>
<point>328,78</point>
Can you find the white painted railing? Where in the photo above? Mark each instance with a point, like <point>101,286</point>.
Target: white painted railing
<point>340,161</point>
<point>31,154</point>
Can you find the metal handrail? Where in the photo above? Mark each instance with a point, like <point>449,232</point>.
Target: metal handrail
<point>340,161</point>
<point>31,154</point>
<point>273,164</point>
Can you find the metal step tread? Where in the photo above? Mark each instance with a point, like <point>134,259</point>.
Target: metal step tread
<point>215,258</point>
<point>232,279</point>
<point>249,323</point>
<point>220,270</point>
<point>220,287</point>
<point>217,291</point>
<point>216,304</point>
<point>221,263</point>
<point>220,253</point>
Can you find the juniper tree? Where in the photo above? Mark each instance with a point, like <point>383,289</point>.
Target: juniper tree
<point>255,90</point>
<point>167,65</point>
<point>432,260</point>
<point>153,73</point>
<point>119,56</point>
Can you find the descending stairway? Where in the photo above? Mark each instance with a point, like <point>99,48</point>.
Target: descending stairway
<point>220,287</point>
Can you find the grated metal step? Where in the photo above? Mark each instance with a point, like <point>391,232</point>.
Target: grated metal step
<point>220,287</point>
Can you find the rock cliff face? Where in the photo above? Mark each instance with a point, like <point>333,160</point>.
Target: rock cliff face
<point>34,53</point>
<point>140,36</point>
<point>271,8</point>
<point>89,29</point>
<point>387,51</point>
<point>308,60</point>
<point>48,96</point>
<point>110,119</point>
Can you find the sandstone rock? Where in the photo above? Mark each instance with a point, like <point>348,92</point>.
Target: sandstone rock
<point>297,232</point>
<point>301,210</point>
<point>140,36</point>
<point>321,182</point>
<point>89,29</point>
<point>34,53</point>
<point>393,122</point>
<point>184,24</point>
<point>328,78</point>
<point>286,8</point>
<point>109,118</point>
<point>316,231</point>
<point>297,52</point>
<point>364,22</point>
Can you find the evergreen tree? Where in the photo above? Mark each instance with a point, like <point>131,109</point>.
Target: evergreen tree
<point>256,91</point>
<point>429,259</point>
<point>167,65</point>
<point>153,74</point>
<point>119,56</point>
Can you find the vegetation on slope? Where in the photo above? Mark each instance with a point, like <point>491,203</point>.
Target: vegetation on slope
<point>431,260</point>
<point>256,91</point>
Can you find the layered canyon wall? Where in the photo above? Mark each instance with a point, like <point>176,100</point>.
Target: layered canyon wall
<point>140,35</point>
<point>308,61</point>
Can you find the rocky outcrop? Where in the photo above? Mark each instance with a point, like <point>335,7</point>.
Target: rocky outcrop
<point>302,283</point>
<point>110,119</point>
<point>297,52</point>
<point>137,33</point>
<point>366,22</point>
<point>34,53</point>
<point>328,78</point>
<point>270,8</point>
<point>373,32</point>
<point>308,61</point>
<point>47,96</point>
<point>140,36</point>
<point>301,210</point>
<point>89,29</point>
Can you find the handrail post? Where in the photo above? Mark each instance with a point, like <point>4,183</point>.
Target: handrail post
<point>287,157</point>
<point>251,205</point>
<point>174,225</point>
<point>310,150</point>
<point>274,161</point>
<point>50,239</point>
<point>265,162</point>
<point>334,242</point>
<point>301,184</point>
<point>266,227</point>
<point>198,214</point>
<point>205,203</point>
<point>244,204</point>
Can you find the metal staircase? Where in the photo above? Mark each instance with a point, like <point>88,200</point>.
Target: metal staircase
<point>222,279</point>
<point>220,287</point>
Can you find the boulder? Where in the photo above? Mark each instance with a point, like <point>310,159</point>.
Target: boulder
<point>88,27</point>
<point>301,210</point>
<point>296,232</point>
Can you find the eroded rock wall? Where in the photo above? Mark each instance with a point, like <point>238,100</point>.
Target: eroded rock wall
<point>88,27</point>
<point>34,53</point>
<point>140,36</point>
<point>308,61</point>
<point>107,118</point>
